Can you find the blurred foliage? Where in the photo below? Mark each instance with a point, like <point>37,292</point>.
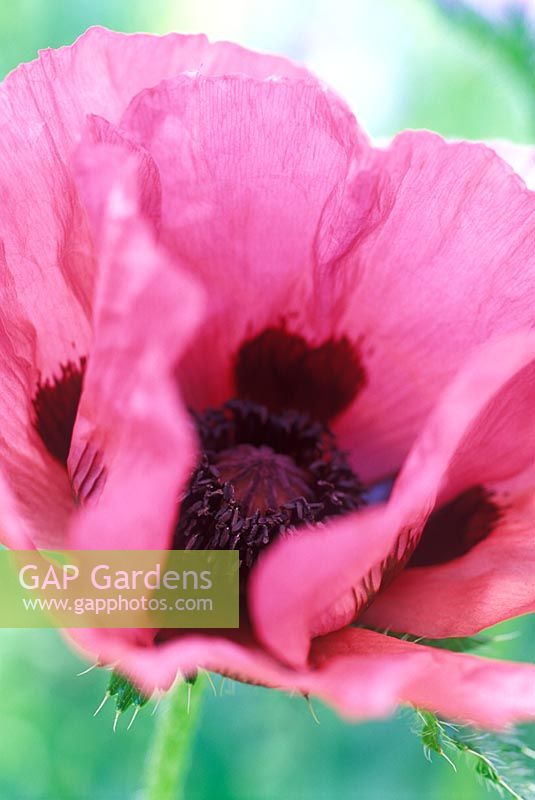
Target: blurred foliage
<point>30,25</point>
<point>508,41</point>
<point>255,744</point>
<point>460,84</point>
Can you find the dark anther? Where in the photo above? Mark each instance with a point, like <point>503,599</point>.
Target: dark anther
<point>281,370</point>
<point>452,530</point>
<point>262,474</point>
<point>56,405</point>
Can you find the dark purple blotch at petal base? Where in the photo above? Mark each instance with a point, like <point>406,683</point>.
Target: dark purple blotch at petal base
<point>282,371</point>
<point>55,406</point>
<point>454,529</point>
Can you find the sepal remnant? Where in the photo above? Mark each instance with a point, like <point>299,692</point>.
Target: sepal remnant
<point>125,694</point>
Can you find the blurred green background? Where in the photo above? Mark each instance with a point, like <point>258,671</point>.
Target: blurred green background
<point>400,63</point>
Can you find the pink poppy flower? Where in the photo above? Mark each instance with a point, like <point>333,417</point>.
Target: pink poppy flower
<point>190,226</point>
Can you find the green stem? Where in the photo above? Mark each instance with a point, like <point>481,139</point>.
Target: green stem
<point>170,755</point>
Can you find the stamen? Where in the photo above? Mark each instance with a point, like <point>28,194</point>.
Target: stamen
<point>87,473</point>
<point>261,475</point>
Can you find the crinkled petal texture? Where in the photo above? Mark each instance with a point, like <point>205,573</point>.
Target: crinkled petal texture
<point>44,106</point>
<point>448,262</point>
<point>254,176</point>
<point>438,233</point>
<point>520,156</point>
<point>46,253</point>
<point>411,229</point>
<point>261,196</point>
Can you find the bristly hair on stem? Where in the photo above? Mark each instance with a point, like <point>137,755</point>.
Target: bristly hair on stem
<point>503,762</point>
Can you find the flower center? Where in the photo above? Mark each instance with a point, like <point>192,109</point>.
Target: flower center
<point>261,478</point>
<point>261,475</point>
